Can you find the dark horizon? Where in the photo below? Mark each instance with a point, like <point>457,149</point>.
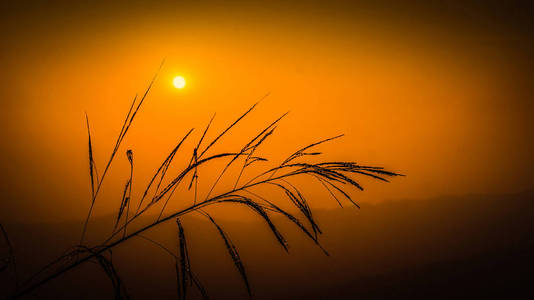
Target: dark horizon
<point>403,249</point>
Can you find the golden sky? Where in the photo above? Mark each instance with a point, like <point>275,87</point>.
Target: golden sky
<point>438,92</point>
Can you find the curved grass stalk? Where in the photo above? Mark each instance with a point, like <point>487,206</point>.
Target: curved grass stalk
<point>334,176</point>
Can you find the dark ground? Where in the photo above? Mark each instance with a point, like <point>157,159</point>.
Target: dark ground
<point>470,247</point>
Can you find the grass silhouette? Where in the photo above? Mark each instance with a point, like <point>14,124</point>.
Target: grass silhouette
<point>334,176</point>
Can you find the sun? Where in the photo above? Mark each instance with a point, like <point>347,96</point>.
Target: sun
<point>178,82</point>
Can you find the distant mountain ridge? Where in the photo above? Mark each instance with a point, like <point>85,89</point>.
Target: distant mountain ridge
<point>461,247</point>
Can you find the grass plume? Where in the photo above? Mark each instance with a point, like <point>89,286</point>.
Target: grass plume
<point>335,176</point>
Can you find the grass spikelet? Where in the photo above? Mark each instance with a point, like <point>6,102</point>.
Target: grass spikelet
<point>162,170</point>
<point>251,147</point>
<point>124,201</point>
<point>124,130</point>
<point>328,189</point>
<point>247,147</point>
<point>300,203</point>
<point>194,278</point>
<point>347,196</point>
<point>232,251</point>
<point>92,167</point>
<point>293,219</point>
<point>126,194</point>
<point>231,126</point>
<point>301,152</point>
<point>261,212</point>
<point>194,159</point>
<point>183,273</point>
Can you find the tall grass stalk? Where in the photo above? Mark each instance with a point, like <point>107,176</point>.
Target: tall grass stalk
<point>335,176</point>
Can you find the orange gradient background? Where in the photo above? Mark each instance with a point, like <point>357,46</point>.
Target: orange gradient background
<point>441,97</point>
<point>441,91</point>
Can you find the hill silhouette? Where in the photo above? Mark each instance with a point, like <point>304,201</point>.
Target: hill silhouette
<point>476,246</point>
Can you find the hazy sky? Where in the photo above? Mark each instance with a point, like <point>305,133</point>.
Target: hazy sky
<point>441,92</point>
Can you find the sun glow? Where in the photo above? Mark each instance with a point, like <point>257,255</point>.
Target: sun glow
<point>178,82</point>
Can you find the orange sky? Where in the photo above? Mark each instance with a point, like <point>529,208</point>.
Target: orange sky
<point>442,96</point>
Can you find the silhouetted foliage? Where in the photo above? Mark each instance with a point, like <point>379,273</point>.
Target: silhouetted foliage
<point>334,176</point>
